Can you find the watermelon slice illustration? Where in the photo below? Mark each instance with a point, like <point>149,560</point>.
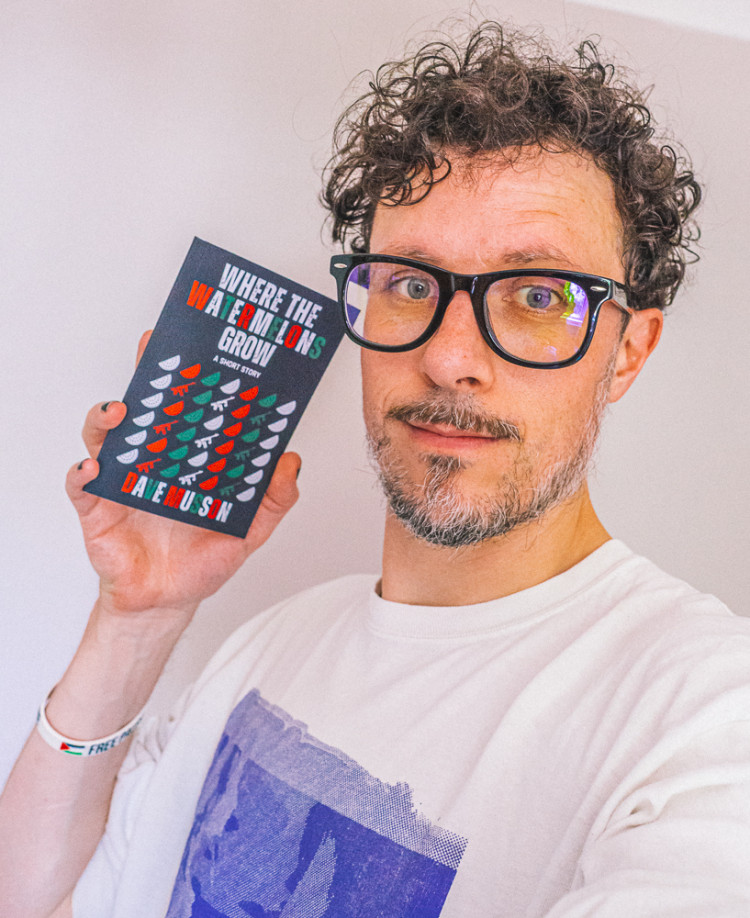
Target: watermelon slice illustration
<point>241,412</point>
<point>162,382</point>
<point>246,495</point>
<point>214,423</point>
<point>129,457</point>
<point>231,387</point>
<point>171,471</point>
<point>212,379</point>
<point>175,409</point>
<point>279,425</point>
<point>269,443</point>
<point>249,394</point>
<point>236,471</point>
<point>288,408</point>
<point>217,466</point>
<point>225,448</point>
<point>153,401</point>
<point>194,416</point>
<point>199,459</point>
<point>255,477</point>
<point>178,453</point>
<point>250,437</point>
<point>157,446</point>
<point>233,430</point>
<point>186,435</point>
<point>191,372</point>
<point>209,483</point>
<point>171,363</point>
<point>267,401</point>
<point>145,419</point>
<point>261,460</point>
<point>204,398</point>
<point>137,438</point>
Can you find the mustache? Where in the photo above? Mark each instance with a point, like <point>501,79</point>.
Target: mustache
<point>458,412</point>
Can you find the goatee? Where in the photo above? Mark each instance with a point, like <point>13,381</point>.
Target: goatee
<point>436,511</point>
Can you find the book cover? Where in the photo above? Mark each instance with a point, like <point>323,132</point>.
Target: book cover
<point>232,363</point>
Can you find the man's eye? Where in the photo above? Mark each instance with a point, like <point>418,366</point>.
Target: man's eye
<point>416,288</point>
<point>538,297</point>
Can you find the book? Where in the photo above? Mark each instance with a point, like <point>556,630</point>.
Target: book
<point>232,363</point>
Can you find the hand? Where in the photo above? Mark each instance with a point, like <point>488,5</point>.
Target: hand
<point>146,561</point>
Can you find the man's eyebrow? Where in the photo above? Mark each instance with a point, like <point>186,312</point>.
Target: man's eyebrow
<point>547,255</point>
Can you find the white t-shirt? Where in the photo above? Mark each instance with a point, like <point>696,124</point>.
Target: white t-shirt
<point>580,748</point>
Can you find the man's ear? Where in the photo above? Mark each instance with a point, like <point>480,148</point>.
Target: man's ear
<point>640,338</point>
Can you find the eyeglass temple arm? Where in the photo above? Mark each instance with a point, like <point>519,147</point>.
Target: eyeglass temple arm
<point>620,299</point>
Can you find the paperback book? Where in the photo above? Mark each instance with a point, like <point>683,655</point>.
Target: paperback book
<point>231,365</point>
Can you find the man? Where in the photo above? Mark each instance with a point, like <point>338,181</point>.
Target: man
<point>520,717</point>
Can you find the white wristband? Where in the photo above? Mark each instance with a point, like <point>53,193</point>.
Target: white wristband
<point>81,747</point>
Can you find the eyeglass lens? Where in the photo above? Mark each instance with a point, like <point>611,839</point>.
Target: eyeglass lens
<point>540,319</point>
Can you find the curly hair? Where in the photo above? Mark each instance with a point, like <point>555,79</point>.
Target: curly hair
<point>502,92</point>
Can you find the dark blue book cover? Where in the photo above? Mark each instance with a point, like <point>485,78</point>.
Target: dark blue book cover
<point>232,363</point>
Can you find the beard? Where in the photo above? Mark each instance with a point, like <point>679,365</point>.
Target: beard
<point>435,510</point>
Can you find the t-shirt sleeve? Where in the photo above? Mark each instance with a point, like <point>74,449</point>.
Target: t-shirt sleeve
<point>678,843</point>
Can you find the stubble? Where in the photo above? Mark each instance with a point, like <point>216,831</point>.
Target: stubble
<point>435,509</point>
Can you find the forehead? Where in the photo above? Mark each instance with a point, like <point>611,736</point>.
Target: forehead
<point>541,209</point>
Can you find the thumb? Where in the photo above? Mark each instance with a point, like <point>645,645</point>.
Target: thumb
<point>280,497</point>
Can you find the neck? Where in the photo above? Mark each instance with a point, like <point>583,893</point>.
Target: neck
<point>418,573</point>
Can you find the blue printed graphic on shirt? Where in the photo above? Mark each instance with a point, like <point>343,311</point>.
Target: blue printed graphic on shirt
<point>287,827</point>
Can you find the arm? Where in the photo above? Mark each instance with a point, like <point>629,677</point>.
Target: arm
<point>153,574</point>
<point>678,844</point>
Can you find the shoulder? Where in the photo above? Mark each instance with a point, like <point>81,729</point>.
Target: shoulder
<point>671,642</point>
<point>298,618</point>
<point>654,598</point>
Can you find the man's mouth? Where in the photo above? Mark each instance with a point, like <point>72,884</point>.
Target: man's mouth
<point>437,436</point>
<point>453,422</point>
<point>439,424</point>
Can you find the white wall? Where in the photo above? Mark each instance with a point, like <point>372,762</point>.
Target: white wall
<point>127,128</point>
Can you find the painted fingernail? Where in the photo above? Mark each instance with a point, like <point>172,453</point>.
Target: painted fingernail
<point>106,405</point>
<point>299,469</point>
<point>80,464</point>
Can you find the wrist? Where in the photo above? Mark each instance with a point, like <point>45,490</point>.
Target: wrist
<point>114,670</point>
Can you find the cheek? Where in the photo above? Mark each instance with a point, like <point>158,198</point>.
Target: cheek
<point>385,377</point>
<point>377,383</point>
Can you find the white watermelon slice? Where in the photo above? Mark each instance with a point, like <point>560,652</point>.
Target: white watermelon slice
<point>153,401</point>
<point>129,457</point>
<point>246,495</point>
<point>279,425</point>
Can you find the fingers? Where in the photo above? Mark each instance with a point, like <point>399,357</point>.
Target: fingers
<point>101,419</point>
<point>104,416</point>
<point>145,338</point>
<point>78,476</point>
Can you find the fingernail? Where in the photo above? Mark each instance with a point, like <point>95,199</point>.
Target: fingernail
<point>80,464</point>
<point>106,405</point>
<point>299,469</point>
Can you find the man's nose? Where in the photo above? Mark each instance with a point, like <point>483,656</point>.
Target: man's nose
<point>457,356</point>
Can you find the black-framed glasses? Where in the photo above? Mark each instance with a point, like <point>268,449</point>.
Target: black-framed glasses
<point>535,318</point>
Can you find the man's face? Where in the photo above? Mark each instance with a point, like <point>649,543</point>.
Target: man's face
<point>468,445</point>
